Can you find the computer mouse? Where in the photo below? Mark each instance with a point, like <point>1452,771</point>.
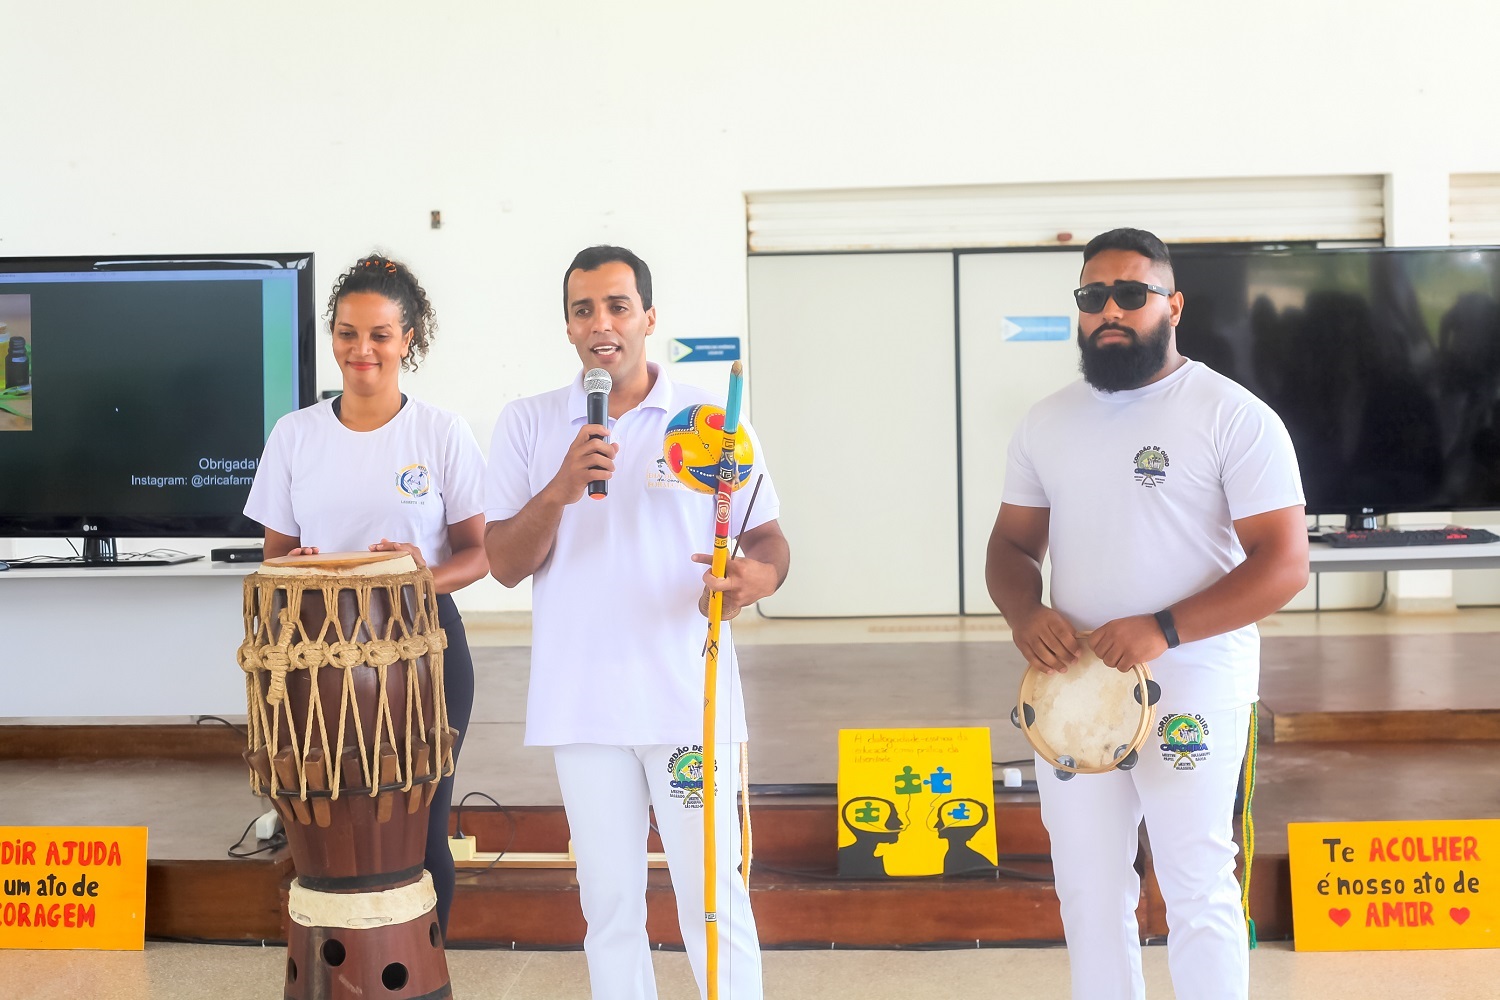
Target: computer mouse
<point>4,565</point>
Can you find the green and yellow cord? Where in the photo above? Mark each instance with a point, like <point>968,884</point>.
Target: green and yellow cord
<point>1247,821</point>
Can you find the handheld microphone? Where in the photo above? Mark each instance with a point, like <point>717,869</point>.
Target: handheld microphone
<point>597,383</point>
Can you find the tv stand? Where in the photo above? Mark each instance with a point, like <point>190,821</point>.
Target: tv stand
<point>102,551</point>
<point>1364,520</point>
<point>168,636</point>
<point>99,549</point>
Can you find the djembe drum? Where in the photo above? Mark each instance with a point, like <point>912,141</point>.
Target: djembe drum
<point>1089,720</point>
<point>348,736</point>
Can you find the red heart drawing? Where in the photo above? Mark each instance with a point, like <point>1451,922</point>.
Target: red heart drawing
<point>1459,914</point>
<point>1341,917</point>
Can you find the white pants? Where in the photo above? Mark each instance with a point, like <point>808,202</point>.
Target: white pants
<point>606,791</point>
<point>1187,800</point>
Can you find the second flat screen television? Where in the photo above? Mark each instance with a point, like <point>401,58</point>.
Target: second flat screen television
<point>1384,364</point>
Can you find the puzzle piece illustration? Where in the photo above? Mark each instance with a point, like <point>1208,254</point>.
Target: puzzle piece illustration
<point>940,781</point>
<point>866,813</point>
<point>907,782</point>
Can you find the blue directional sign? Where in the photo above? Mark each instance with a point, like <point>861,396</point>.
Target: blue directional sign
<point>1035,328</point>
<point>706,349</point>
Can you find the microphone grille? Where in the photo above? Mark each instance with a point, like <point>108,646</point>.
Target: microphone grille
<point>597,380</point>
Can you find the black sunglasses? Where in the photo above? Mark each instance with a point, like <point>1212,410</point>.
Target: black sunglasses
<point>1128,294</point>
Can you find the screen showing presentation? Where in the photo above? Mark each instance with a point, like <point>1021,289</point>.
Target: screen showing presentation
<point>143,393</point>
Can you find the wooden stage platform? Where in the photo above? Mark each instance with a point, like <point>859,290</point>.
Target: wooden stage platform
<point>1353,727</point>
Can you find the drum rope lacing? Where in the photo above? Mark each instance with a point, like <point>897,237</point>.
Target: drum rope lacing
<point>289,646</point>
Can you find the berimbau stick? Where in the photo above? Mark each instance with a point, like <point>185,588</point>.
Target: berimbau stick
<point>728,475</point>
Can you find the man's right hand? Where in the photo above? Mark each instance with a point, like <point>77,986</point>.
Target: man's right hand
<point>589,458</point>
<point>1047,640</point>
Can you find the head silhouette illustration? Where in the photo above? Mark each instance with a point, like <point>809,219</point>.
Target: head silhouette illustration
<point>958,821</point>
<point>873,821</point>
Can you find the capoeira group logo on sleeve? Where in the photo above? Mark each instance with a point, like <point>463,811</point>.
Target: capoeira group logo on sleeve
<point>1151,466</point>
<point>686,768</point>
<point>414,482</point>
<point>1184,741</point>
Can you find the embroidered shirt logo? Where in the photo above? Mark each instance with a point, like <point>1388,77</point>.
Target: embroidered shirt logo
<point>1151,466</point>
<point>1184,741</point>
<point>414,481</point>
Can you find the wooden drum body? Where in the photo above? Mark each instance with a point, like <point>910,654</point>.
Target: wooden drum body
<point>349,737</point>
<point>1089,720</point>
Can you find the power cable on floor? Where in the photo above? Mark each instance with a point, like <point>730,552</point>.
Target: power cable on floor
<point>458,832</point>
<point>201,719</point>
<point>278,840</point>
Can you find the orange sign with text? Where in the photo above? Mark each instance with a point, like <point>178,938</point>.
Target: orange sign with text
<point>1395,886</point>
<point>73,887</point>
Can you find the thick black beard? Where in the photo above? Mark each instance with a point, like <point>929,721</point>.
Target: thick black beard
<point>1123,366</point>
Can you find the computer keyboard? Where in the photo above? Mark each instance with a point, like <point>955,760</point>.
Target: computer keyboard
<point>1380,537</point>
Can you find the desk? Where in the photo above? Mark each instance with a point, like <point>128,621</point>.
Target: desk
<point>122,640</point>
<point>1326,559</point>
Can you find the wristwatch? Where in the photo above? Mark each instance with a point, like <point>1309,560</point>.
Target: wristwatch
<point>1168,628</point>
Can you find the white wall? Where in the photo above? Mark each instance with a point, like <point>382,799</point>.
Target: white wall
<point>159,126</point>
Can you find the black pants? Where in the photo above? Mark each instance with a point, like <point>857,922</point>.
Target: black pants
<point>458,681</point>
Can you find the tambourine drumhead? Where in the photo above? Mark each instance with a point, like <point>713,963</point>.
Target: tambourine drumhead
<point>340,564</point>
<point>1088,719</point>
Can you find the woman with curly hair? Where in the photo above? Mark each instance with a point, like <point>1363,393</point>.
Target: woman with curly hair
<point>374,468</point>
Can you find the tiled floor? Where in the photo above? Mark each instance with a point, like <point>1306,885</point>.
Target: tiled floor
<point>219,972</point>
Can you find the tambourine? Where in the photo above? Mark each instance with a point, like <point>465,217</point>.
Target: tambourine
<point>1089,720</point>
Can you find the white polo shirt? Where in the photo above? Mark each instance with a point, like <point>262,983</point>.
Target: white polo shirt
<point>617,639</point>
<point>343,490</point>
<point>1144,486</point>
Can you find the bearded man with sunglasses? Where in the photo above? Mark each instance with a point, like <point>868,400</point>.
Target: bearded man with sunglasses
<point>1169,499</point>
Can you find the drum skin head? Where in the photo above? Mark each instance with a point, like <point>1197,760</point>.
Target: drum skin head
<point>340,564</point>
<point>1088,720</point>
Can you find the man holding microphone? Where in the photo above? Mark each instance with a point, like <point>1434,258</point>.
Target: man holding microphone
<point>617,663</point>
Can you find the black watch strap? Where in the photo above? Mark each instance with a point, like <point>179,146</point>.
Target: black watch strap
<point>1168,628</point>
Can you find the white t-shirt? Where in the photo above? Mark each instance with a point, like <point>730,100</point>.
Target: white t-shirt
<point>343,490</point>
<point>1143,487</point>
<point>617,639</point>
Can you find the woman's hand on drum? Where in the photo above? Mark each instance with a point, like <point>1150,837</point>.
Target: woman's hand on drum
<point>1047,640</point>
<point>1125,642</point>
<point>386,545</point>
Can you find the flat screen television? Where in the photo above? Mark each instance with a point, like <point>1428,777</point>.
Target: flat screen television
<point>139,391</point>
<point>1384,363</point>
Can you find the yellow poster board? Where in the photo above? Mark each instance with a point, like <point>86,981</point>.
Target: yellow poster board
<point>1395,886</point>
<point>915,802</point>
<point>73,887</point>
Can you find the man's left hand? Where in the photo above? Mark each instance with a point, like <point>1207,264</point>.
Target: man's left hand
<point>1125,642</point>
